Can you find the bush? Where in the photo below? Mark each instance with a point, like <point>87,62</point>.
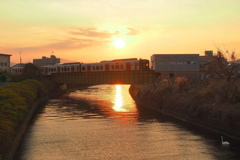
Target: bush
<point>15,102</point>
<point>215,101</point>
<point>29,89</point>
<point>181,84</point>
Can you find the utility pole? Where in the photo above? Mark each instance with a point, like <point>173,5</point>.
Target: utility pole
<point>20,57</point>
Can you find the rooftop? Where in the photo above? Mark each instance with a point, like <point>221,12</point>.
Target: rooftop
<point>5,54</point>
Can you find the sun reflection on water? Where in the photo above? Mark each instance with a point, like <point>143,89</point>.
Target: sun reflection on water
<point>118,102</point>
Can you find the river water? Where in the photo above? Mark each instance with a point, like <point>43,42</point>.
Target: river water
<point>103,123</point>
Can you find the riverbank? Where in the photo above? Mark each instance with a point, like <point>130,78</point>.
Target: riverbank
<point>210,105</point>
<point>18,103</point>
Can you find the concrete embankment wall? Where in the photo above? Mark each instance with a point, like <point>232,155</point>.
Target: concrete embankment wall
<point>216,127</point>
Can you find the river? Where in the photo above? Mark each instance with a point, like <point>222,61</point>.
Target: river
<point>103,123</point>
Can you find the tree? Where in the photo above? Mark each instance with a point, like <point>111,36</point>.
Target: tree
<point>4,76</point>
<point>226,70</point>
<point>31,71</point>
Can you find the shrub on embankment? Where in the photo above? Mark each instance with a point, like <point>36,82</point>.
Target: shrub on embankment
<point>216,101</point>
<point>16,99</point>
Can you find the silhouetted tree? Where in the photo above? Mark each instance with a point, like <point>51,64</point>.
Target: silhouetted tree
<point>4,76</point>
<point>31,71</point>
<point>226,70</point>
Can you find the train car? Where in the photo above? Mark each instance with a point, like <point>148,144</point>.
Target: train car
<point>131,64</point>
<point>17,69</point>
<point>92,67</point>
<point>49,69</point>
<point>61,68</point>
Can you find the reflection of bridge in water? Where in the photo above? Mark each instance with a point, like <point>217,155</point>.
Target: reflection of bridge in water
<point>111,77</point>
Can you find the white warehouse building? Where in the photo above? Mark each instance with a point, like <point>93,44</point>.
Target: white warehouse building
<point>176,65</point>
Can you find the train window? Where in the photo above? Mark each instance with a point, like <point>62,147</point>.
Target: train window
<point>97,68</point>
<point>83,68</point>
<point>117,66</point>
<point>93,67</point>
<point>101,67</point>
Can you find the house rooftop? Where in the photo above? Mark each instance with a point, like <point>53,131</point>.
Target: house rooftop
<point>5,54</point>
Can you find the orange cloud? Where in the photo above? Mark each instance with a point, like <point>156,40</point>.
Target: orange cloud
<point>132,32</point>
<point>67,44</point>
<point>94,33</point>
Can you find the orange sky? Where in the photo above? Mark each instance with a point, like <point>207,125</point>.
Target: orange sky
<point>85,30</point>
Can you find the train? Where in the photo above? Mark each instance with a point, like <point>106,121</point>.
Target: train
<point>129,64</point>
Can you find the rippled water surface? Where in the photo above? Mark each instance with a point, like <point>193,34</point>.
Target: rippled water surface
<point>102,122</point>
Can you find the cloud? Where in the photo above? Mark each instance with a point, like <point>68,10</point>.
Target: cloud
<point>67,44</point>
<point>77,38</point>
<point>93,33</point>
<point>132,32</point>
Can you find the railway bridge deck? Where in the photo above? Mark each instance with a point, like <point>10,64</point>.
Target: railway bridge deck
<point>111,77</point>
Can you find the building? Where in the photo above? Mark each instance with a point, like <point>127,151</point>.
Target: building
<point>17,69</point>
<point>5,62</point>
<point>208,57</point>
<point>176,65</point>
<point>46,61</point>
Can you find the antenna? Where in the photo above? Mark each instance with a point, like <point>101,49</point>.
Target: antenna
<point>20,57</point>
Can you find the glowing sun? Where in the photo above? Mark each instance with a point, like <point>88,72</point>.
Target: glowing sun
<point>119,43</point>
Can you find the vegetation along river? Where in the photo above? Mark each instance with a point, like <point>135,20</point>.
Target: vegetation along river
<point>103,122</point>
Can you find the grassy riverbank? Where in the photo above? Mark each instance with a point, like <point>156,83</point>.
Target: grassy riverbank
<point>216,102</point>
<point>16,99</point>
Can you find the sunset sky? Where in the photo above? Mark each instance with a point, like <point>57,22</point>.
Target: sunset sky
<point>95,30</point>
